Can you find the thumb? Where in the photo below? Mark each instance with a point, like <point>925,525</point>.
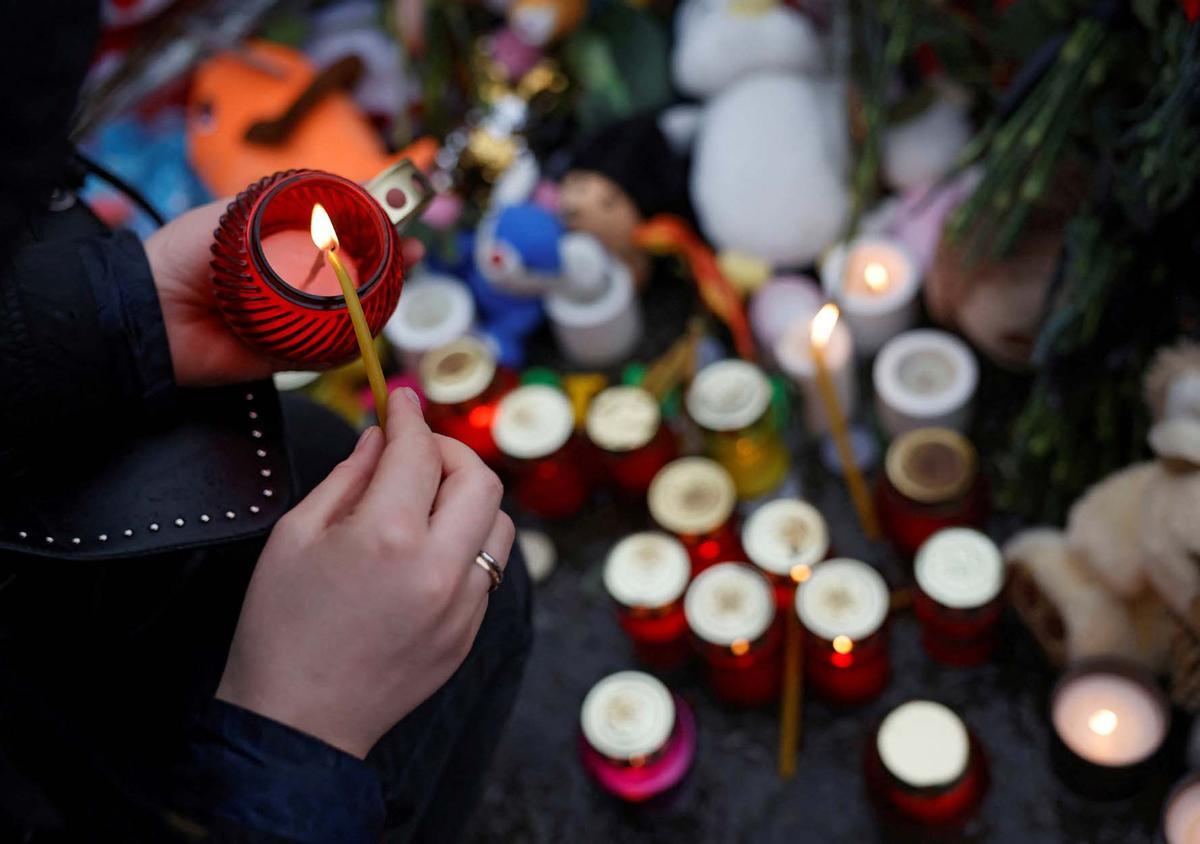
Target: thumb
<point>338,494</point>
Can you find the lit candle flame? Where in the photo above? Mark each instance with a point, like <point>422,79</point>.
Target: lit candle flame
<point>823,324</point>
<point>1102,722</point>
<point>801,572</point>
<point>843,644</point>
<point>323,233</point>
<point>876,276</point>
<point>739,647</point>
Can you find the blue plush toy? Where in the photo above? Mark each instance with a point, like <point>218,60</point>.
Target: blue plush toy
<point>510,262</point>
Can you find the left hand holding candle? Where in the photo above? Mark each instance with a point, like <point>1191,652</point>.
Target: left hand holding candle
<point>204,351</point>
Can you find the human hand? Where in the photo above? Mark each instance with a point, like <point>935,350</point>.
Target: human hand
<point>204,351</point>
<point>366,597</point>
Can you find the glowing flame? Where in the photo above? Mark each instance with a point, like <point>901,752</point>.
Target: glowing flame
<point>801,572</point>
<point>739,647</point>
<point>1103,722</point>
<point>823,323</point>
<point>843,644</point>
<point>876,276</point>
<point>323,233</point>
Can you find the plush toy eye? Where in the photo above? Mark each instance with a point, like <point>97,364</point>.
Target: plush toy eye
<point>203,119</point>
<point>504,262</point>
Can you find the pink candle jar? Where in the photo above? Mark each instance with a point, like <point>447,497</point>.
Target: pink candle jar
<point>533,428</point>
<point>958,600</point>
<point>924,769</point>
<point>931,481</point>
<point>637,740</point>
<point>730,610</point>
<point>694,498</point>
<point>463,388</point>
<point>625,425</point>
<point>646,575</point>
<point>274,287</point>
<point>785,539</point>
<point>843,607</point>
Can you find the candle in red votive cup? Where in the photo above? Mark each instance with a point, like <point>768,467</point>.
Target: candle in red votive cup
<point>533,427</point>
<point>625,425</point>
<point>924,769</point>
<point>646,575</point>
<point>731,612</point>
<point>694,498</point>
<point>271,283</point>
<point>843,607</point>
<point>463,388</point>
<point>958,601</point>
<point>930,482</point>
<point>785,539</point>
<point>637,740</point>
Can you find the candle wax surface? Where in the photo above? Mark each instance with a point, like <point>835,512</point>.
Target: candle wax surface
<point>1182,824</point>
<point>886,263</point>
<point>1136,732</point>
<point>927,372</point>
<point>292,256</point>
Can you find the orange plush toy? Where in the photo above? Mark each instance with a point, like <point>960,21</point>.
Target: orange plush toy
<point>265,108</point>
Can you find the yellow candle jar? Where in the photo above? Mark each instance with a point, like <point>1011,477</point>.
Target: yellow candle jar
<point>731,401</point>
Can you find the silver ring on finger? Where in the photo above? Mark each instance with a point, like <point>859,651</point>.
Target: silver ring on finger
<point>488,563</point>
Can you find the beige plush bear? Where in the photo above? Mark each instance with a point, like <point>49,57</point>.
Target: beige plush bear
<point>1123,577</point>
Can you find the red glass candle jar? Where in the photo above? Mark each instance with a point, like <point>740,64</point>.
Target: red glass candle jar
<point>843,607</point>
<point>924,769</point>
<point>533,427</point>
<point>637,740</point>
<point>625,425</point>
<point>930,482</point>
<point>694,498</point>
<point>731,401</point>
<point>958,600</point>
<point>785,539</point>
<point>271,282</point>
<point>646,575</point>
<point>463,388</point>
<point>731,613</point>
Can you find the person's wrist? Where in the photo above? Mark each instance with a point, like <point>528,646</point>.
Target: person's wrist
<point>293,712</point>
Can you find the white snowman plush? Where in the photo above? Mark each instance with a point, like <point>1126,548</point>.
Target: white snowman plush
<point>771,152</point>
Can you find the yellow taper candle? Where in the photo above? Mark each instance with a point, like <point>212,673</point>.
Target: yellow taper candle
<point>822,329</point>
<point>325,237</point>
<point>791,708</point>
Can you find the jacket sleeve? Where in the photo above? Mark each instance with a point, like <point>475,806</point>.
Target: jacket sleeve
<point>248,778</point>
<point>81,338</point>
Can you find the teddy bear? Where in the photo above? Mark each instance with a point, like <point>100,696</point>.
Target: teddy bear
<point>1123,577</point>
<point>770,144</point>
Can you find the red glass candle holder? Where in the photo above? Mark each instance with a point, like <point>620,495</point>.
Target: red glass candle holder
<point>785,539</point>
<point>646,575</point>
<point>730,611</point>
<point>637,740</point>
<point>694,498</point>
<point>533,428</point>
<point>925,772</point>
<point>958,601</point>
<point>625,425</point>
<point>463,387</point>
<point>930,482</point>
<point>843,607</point>
<point>263,254</point>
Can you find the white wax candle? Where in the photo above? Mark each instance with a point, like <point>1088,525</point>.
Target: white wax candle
<point>1181,818</point>
<point>434,310</point>
<point>601,331</point>
<point>875,281</point>
<point>924,379</point>
<point>794,354</point>
<point>1109,719</point>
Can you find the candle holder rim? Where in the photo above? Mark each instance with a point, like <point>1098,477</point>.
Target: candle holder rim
<point>834,266</point>
<point>925,493</point>
<point>302,297</point>
<point>887,382</point>
<point>810,556</point>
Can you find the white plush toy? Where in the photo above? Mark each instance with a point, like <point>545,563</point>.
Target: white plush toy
<point>771,147</point>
